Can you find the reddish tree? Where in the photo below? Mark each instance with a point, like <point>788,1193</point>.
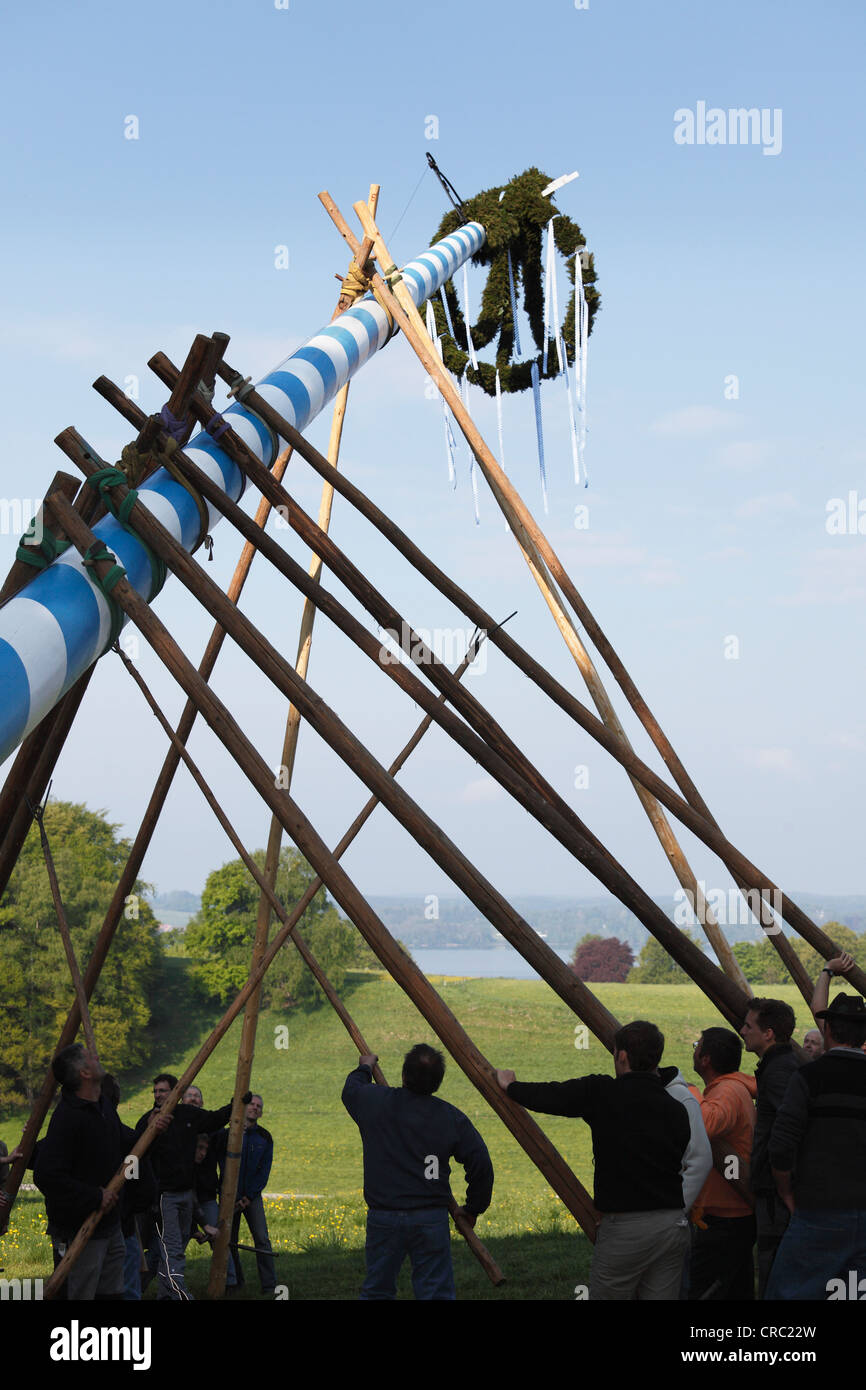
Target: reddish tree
<point>602,958</point>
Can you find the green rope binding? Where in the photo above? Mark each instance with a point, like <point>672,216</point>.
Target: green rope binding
<point>103,481</point>
<point>94,553</point>
<point>42,555</point>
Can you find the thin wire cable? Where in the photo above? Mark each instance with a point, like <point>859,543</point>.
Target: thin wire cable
<point>410,202</point>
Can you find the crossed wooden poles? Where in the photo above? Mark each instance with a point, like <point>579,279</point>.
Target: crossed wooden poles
<point>476,731</point>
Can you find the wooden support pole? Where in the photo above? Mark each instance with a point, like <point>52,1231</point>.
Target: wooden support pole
<point>398,965</point>
<point>463,1226</point>
<point>66,935</point>
<point>540,552</point>
<point>21,573</point>
<point>759,886</point>
<point>527,534</point>
<point>246,1050</point>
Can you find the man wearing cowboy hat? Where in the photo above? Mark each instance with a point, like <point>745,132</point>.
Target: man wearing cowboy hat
<point>818,1157</point>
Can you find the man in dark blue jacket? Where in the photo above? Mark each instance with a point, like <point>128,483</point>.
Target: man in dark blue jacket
<point>257,1155</point>
<point>409,1136</point>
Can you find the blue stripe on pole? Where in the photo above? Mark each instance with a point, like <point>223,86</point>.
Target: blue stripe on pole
<point>233,478</point>
<point>298,391</point>
<point>15,705</point>
<point>324,366</point>
<point>348,344</point>
<point>71,600</point>
<point>187,512</point>
<point>297,394</point>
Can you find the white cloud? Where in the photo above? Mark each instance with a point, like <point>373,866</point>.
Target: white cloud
<point>771,759</point>
<point>692,421</point>
<point>744,454</point>
<point>832,575</point>
<point>483,789</point>
<point>771,502</point>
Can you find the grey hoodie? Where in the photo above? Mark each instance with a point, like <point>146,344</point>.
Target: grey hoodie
<point>698,1157</point>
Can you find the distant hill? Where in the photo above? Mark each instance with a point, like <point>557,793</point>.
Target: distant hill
<point>561,920</point>
<point>564,920</point>
<point>178,900</point>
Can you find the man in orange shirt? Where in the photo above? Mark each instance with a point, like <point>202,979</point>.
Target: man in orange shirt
<point>722,1265</point>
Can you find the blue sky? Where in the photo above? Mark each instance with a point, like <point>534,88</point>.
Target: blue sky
<point>707,515</point>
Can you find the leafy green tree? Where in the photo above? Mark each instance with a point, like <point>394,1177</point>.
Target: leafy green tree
<point>37,990</point>
<point>656,967</point>
<point>762,964</point>
<point>220,936</point>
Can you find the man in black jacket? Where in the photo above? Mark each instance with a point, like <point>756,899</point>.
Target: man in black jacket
<point>767,1031</point>
<point>83,1149</point>
<point>640,1134</point>
<point>173,1158</point>
<point>818,1153</point>
<point>409,1135</point>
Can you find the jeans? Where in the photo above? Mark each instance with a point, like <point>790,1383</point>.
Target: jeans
<point>255,1218</point>
<point>424,1236</point>
<point>819,1245</point>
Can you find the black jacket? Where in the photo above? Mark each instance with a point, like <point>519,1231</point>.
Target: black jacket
<point>639,1135</point>
<point>173,1153</point>
<point>775,1069</point>
<point>83,1149</point>
<point>408,1140</point>
<point>820,1132</point>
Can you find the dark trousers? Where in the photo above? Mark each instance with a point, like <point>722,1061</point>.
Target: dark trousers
<point>772,1218</point>
<point>254,1215</point>
<point>722,1264</point>
<point>425,1236</point>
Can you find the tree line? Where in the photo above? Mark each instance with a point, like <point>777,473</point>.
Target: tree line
<point>602,959</point>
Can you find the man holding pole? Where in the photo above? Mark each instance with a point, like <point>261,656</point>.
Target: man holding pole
<point>84,1147</point>
<point>409,1135</point>
<point>640,1139</point>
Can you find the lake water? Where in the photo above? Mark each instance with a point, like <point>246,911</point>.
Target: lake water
<point>501,961</point>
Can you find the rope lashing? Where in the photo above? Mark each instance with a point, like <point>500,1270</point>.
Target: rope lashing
<point>173,425</point>
<point>103,481</point>
<point>217,426</point>
<point>137,464</point>
<point>42,555</point>
<point>94,553</point>
<point>358,283</point>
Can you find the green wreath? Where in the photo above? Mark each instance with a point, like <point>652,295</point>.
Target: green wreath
<point>514,216</point>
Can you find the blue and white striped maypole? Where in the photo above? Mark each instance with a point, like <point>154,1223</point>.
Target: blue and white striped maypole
<point>57,627</point>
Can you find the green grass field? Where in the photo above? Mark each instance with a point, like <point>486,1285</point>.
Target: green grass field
<point>317,1228</point>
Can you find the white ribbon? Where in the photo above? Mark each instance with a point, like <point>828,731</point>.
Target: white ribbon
<point>536,394</point>
<point>464,391</point>
<point>450,443</point>
<point>470,346</point>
